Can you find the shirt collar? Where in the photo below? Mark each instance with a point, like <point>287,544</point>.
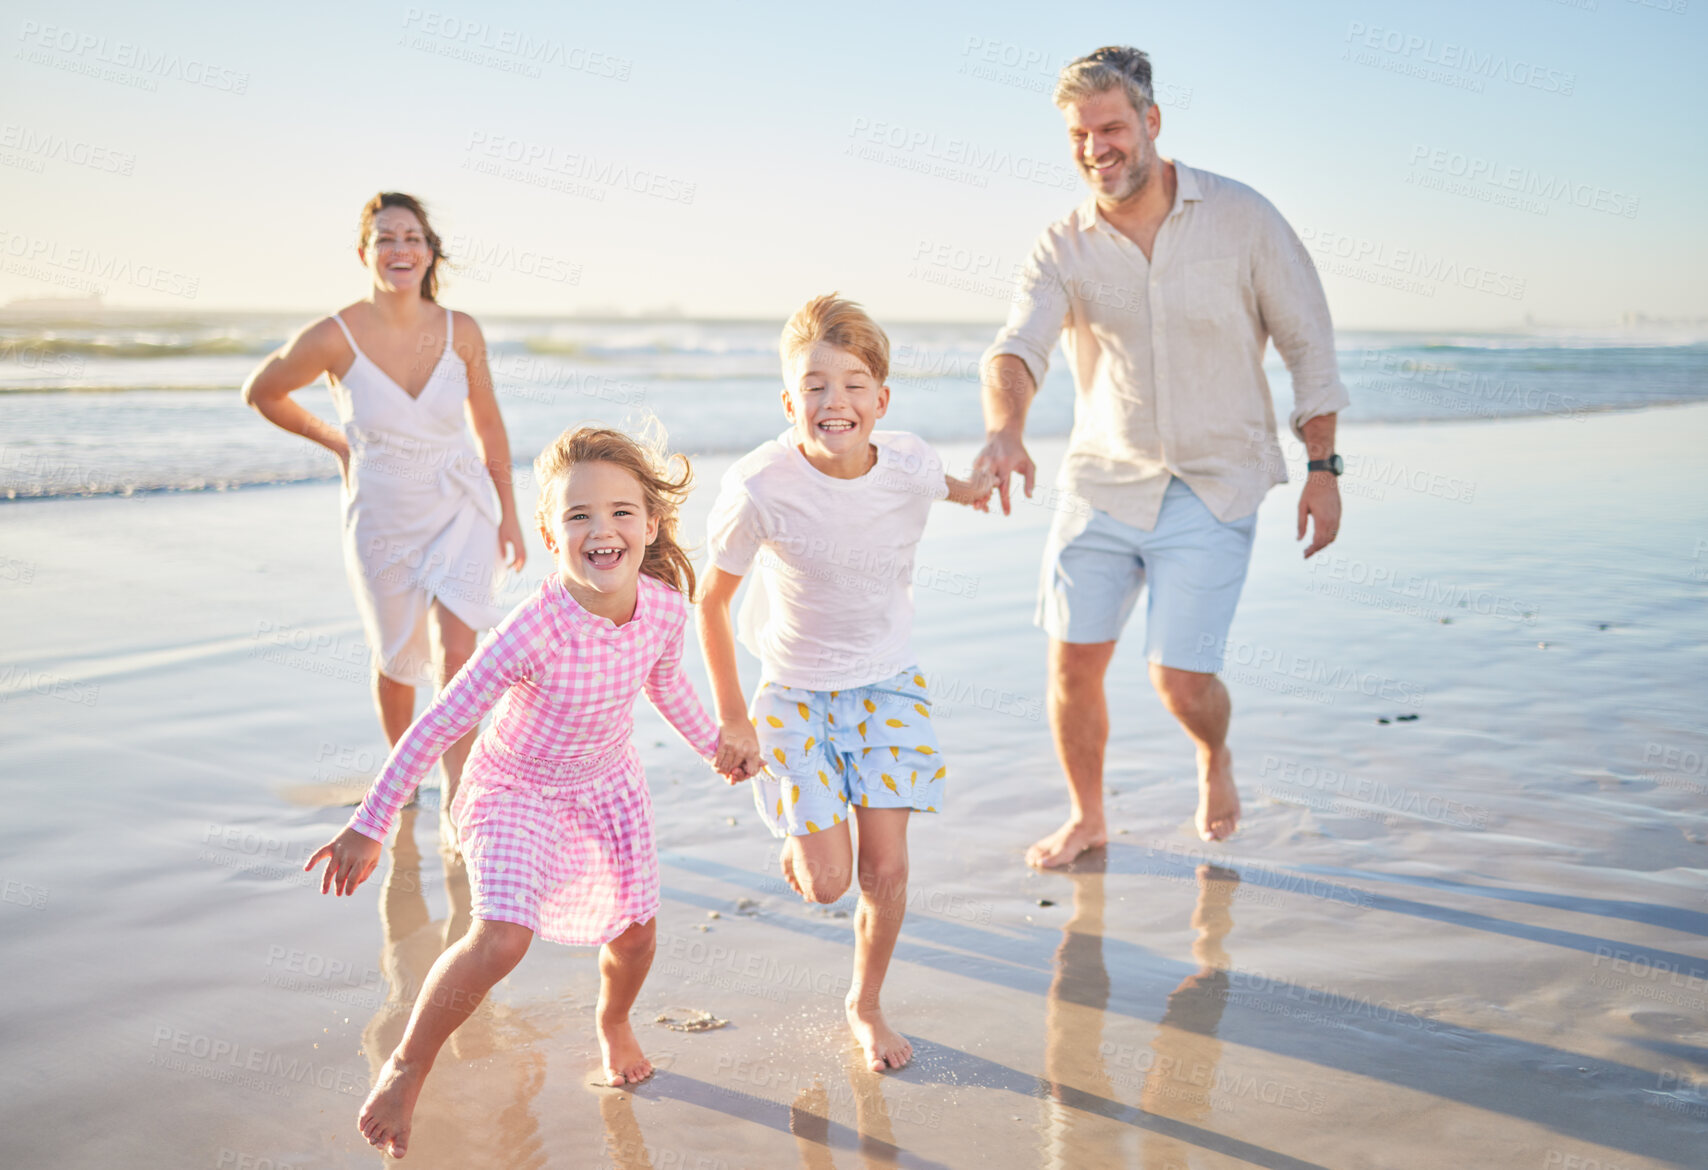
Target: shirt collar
<point>1185,188</point>
<point>582,619</point>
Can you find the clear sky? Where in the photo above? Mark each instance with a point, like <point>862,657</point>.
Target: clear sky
<point>1451,164</point>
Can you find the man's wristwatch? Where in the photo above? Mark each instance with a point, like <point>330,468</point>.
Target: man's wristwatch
<point>1334,465</point>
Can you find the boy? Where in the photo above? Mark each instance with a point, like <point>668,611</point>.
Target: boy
<point>832,511</point>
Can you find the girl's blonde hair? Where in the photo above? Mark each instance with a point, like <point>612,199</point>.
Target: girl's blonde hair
<point>644,458</point>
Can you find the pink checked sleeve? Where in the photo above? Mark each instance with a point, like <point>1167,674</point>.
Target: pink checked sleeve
<point>668,689</point>
<point>506,658</point>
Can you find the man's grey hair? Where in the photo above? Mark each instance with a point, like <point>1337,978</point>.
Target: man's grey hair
<point>1107,68</point>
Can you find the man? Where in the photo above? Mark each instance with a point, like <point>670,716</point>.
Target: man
<point>1168,281</point>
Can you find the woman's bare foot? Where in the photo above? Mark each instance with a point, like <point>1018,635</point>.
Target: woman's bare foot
<point>1066,843</point>
<point>1218,801</point>
<point>386,1114</point>
<point>625,1064</point>
<point>883,1046</point>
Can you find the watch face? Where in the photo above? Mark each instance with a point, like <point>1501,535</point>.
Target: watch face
<point>1336,464</point>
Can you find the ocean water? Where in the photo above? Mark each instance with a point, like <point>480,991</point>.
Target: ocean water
<point>114,402</point>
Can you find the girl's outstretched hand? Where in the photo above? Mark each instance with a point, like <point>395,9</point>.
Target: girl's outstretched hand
<point>350,858</point>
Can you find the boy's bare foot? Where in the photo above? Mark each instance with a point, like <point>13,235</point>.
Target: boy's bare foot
<point>625,1064</point>
<point>787,857</point>
<point>1066,843</point>
<point>883,1046</point>
<point>1218,801</point>
<point>386,1115</point>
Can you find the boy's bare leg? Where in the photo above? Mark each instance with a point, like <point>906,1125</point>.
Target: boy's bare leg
<point>455,987</point>
<point>1200,702</point>
<point>1079,719</point>
<point>819,866</point>
<point>877,924</point>
<point>623,964</point>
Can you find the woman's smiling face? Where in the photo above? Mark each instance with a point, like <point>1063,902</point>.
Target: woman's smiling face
<point>397,251</point>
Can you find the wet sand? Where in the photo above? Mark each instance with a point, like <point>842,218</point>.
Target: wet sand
<point>1473,938</point>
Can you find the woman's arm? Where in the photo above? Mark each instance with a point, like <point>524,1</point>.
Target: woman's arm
<point>297,363</point>
<point>489,432</point>
<point>738,743</point>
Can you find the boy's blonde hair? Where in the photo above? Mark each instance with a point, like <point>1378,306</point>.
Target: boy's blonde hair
<point>644,458</point>
<point>841,323</point>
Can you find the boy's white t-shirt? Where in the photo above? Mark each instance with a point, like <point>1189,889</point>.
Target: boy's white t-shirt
<point>831,607</point>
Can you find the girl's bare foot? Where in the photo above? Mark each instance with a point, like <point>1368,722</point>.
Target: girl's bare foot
<point>883,1046</point>
<point>1066,843</point>
<point>625,1064</point>
<point>1218,801</point>
<point>386,1115</point>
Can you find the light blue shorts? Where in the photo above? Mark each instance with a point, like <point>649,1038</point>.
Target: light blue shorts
<point>1194,564</point>
<point>871,746</point>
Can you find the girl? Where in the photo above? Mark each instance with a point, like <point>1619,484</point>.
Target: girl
<point>553,815</point>
<point>429,514</point>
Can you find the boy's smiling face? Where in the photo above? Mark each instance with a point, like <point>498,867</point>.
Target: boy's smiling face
<point>834,402</point>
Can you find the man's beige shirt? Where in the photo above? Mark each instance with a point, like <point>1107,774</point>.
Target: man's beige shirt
<point>1167,353</point>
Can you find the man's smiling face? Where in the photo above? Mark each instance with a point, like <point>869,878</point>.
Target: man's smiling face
<point>1113,145</point>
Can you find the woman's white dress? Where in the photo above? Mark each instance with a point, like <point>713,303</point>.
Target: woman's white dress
<point>420,512</point>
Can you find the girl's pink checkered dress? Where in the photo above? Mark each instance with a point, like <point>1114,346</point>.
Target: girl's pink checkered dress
<point>553,814</point>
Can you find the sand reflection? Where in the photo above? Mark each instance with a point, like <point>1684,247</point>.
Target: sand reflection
<point>476,1109</point>
<point>1180,1068</point>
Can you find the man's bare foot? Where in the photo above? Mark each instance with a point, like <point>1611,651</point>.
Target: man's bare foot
<point>624,1062</point>
<point>386,1114</point>
<point>883,1046</point>
<point>1218,801</point>
<point>1066,843</point>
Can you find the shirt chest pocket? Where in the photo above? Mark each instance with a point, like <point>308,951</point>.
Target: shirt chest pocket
<point>1212,289</point>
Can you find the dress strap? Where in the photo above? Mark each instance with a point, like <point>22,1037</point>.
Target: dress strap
<point>448,323</point>
<point>348,336</point>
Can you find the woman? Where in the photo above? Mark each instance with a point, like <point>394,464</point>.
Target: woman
<point>429,514</point>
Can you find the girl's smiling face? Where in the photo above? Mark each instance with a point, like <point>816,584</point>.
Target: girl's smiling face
<point>598,533</point>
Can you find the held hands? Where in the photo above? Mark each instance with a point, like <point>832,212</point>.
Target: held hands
<point>1004,455</point>
<point>738,751</point>
<point>350,858</point>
